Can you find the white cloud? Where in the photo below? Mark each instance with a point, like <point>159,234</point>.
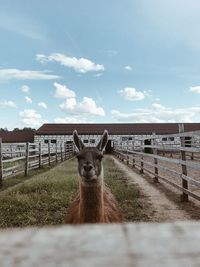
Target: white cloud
<point>86,106</point>
<point>128,67</point>
<point>159,113</point>
<point>98,74</point>
<point>71,119</point>
<point>28,100</point>
<point>82,65</point>
<point>131,94</point>
<point>42,105</point>
<point>29,117</point>
<point>158,107</point>
<point>25,88</point>
<point>9,104</point>
<point>195,89</point>
<point>62,91</point>
<point>8,74</point>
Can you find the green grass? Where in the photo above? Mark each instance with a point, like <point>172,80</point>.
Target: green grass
<point>19,178</point>
<point>128,195</point>
<point>43,199</point>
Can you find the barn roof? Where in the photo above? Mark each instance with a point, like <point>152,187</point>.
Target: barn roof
<point>114,128</point>
<point>17,136</point>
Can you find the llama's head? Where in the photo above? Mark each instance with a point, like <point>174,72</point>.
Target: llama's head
<point>90,159</point>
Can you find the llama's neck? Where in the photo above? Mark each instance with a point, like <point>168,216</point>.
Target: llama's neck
<point>91,203</point>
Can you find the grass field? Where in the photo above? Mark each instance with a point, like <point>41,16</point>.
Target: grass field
<point>44,198</point>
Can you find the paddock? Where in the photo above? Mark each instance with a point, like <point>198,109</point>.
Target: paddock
<point>172,159</point>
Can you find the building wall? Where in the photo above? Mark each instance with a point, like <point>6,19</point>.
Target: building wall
<point>132,140</point>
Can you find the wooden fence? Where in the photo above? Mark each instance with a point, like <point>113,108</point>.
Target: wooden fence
<point>176,163</point>
<point>17,158</point>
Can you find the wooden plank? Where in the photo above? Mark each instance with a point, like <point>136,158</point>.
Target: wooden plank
<point>10,175</point>
<point>33,156</point>
<point>13,160</point>
<point>14,152</point>
<point>13,169</point>
<point>185,191</point>
<point>171,160</point>
<point>174,244</point>
<point>173,148</point>
<point>190,180</point>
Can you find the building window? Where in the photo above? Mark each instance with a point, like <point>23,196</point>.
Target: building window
<point>92,141</point>
<point>85,141</point>
<point>164,139</point>
<point>171,138</point>
<point>69,142</point>
<point>124,138</point>
<point>46,141</point>
<point>53,141</point>
<point>130,138</point>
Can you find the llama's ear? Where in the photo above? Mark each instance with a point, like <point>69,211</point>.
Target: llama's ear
<point>103,142</point>
<point>77,141</point>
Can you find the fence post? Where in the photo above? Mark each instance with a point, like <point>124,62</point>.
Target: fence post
<point>141,159</point>
<point>65,147</point>
<point>61,152</point>
<point>27,159</point>
<point>1,164</point>
<point>49,153</point>
<point>133,160</point>
<point>133,148</point>
<point>40,156</point>
<point>155,152</point>
<point>127,156</point>
<point>184,196</point>
<point>56,152</point>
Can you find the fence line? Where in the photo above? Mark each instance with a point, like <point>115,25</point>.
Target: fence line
<point>30,156</point>
<point>185,170</point>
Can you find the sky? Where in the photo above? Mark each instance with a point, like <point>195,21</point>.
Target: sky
<point>88,61</point>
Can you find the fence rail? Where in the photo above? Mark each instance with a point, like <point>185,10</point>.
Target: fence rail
<point>21,158</point>
<point>180,168</point>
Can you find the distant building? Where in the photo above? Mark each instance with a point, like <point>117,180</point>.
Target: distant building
<point>17,136</point>
<point>14,141</point>
<point>122,132</point>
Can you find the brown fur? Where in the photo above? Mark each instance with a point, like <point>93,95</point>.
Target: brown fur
<point>102,206</point>
<point>94,203</point>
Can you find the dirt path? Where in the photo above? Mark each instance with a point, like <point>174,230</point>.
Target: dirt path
<point>163,209</point>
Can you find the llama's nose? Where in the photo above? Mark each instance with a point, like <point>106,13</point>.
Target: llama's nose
<point>88,167</point>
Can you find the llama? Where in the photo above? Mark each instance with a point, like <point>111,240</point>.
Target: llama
<point>94,202</point>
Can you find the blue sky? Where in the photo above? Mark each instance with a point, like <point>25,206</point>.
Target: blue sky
<point>99,61</point>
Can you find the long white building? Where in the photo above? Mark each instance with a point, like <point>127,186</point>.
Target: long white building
<point>91,133</point>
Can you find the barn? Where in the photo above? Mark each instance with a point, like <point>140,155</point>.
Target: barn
<point>14,140</point>
<point>120,132</point>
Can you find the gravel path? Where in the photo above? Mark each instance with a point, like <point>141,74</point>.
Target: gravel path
<point>164,210</point>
